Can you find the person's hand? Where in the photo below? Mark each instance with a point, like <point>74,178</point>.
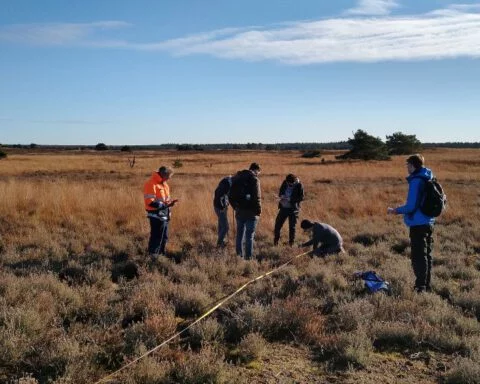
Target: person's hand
<point>172,203</point>
<point>391,211</point>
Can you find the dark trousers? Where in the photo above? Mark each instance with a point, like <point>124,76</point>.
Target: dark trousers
<point>421,243</point>
<point>158,236</point>
<point>283,214</point>
<point>325,250</point>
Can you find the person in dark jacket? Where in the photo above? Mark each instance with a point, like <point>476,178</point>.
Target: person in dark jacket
<point>325,239</point>
<point>220,204</point>
<point>291,195</point>
<point>245,198</point>
<point>419,224</point>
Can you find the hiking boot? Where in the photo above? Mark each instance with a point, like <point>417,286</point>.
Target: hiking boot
<point>420,289</point>
<point>222,244</point>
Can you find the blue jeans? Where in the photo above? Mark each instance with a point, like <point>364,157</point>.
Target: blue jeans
<point>245,231</point>
<point>158,236</point>
<point>222,215</point>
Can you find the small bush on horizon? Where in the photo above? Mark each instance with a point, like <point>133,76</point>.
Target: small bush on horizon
<point>311,154</point>
<point>177,163</point>
<point>101,147</point>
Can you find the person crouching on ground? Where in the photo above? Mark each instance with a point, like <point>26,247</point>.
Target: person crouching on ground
<point>325,239</point>
<point>157,204</point>
<point>291,195</point>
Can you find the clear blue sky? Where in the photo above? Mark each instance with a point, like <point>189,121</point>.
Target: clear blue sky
<point>215,71</point>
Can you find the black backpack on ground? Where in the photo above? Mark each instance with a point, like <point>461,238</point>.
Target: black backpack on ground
<point>434,198</point>
<point>242,192</point>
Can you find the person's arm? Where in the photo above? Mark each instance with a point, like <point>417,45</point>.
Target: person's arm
<point>258,203</point>
<point>412,198</point>
<point>282,189</point>
<point>299,195</point>
<point>308,243</point>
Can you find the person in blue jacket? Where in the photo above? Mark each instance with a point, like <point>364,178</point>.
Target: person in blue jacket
<point>419,224</point>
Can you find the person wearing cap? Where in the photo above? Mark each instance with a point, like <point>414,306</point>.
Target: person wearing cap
<point>157,204</point>
<point>325,239</point>
<point>291,195</point>
<point>245,199</point>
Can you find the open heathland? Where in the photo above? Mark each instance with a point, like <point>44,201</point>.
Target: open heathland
<point>79,297</point>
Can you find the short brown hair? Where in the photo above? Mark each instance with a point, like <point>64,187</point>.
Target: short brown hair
<point>291,178</point>
<point>416,160</point>
<point>254,167</point>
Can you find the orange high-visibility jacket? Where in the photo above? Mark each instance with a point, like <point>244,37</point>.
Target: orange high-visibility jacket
<point>156,194</point>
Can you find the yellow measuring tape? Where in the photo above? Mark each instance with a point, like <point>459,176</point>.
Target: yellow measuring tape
<point>205,314</point>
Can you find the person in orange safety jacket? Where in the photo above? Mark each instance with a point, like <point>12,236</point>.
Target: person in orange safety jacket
<point>157,204</point>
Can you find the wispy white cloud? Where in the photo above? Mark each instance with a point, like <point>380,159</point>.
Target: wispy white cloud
<point>465,7</point>
<point>57,33</point>
<point>447,33</point>
<point>373,7</point>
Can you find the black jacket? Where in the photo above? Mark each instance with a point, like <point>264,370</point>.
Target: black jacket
<point>297,194</point>
<point>245,194</point>
<point>220,199</point>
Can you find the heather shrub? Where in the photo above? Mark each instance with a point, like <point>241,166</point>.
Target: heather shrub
<point>148,371</point>
<point>251,347</point>
<point>207,366</point>
<point>291,319</point>
<point>445,341</point>
<point>469,301</point>
<point>348,317</point>
<point>345,350</point>
<point>251,318</point>
<point>466,371</point>
<point>151,332</point>
<point>206,332</point>
<point>189,300</point>
<point>393,336</point>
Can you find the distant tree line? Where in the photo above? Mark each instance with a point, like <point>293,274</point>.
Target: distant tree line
<point>361,146</point>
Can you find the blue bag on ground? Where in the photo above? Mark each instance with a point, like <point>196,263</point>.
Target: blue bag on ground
<point>373,282</point>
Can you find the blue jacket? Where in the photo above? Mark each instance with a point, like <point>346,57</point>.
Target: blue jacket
<point>412,216</point>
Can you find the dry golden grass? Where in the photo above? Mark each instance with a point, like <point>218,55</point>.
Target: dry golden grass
<point>81,214</point>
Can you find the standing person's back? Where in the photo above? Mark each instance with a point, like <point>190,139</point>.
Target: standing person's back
<point>245,198</point>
